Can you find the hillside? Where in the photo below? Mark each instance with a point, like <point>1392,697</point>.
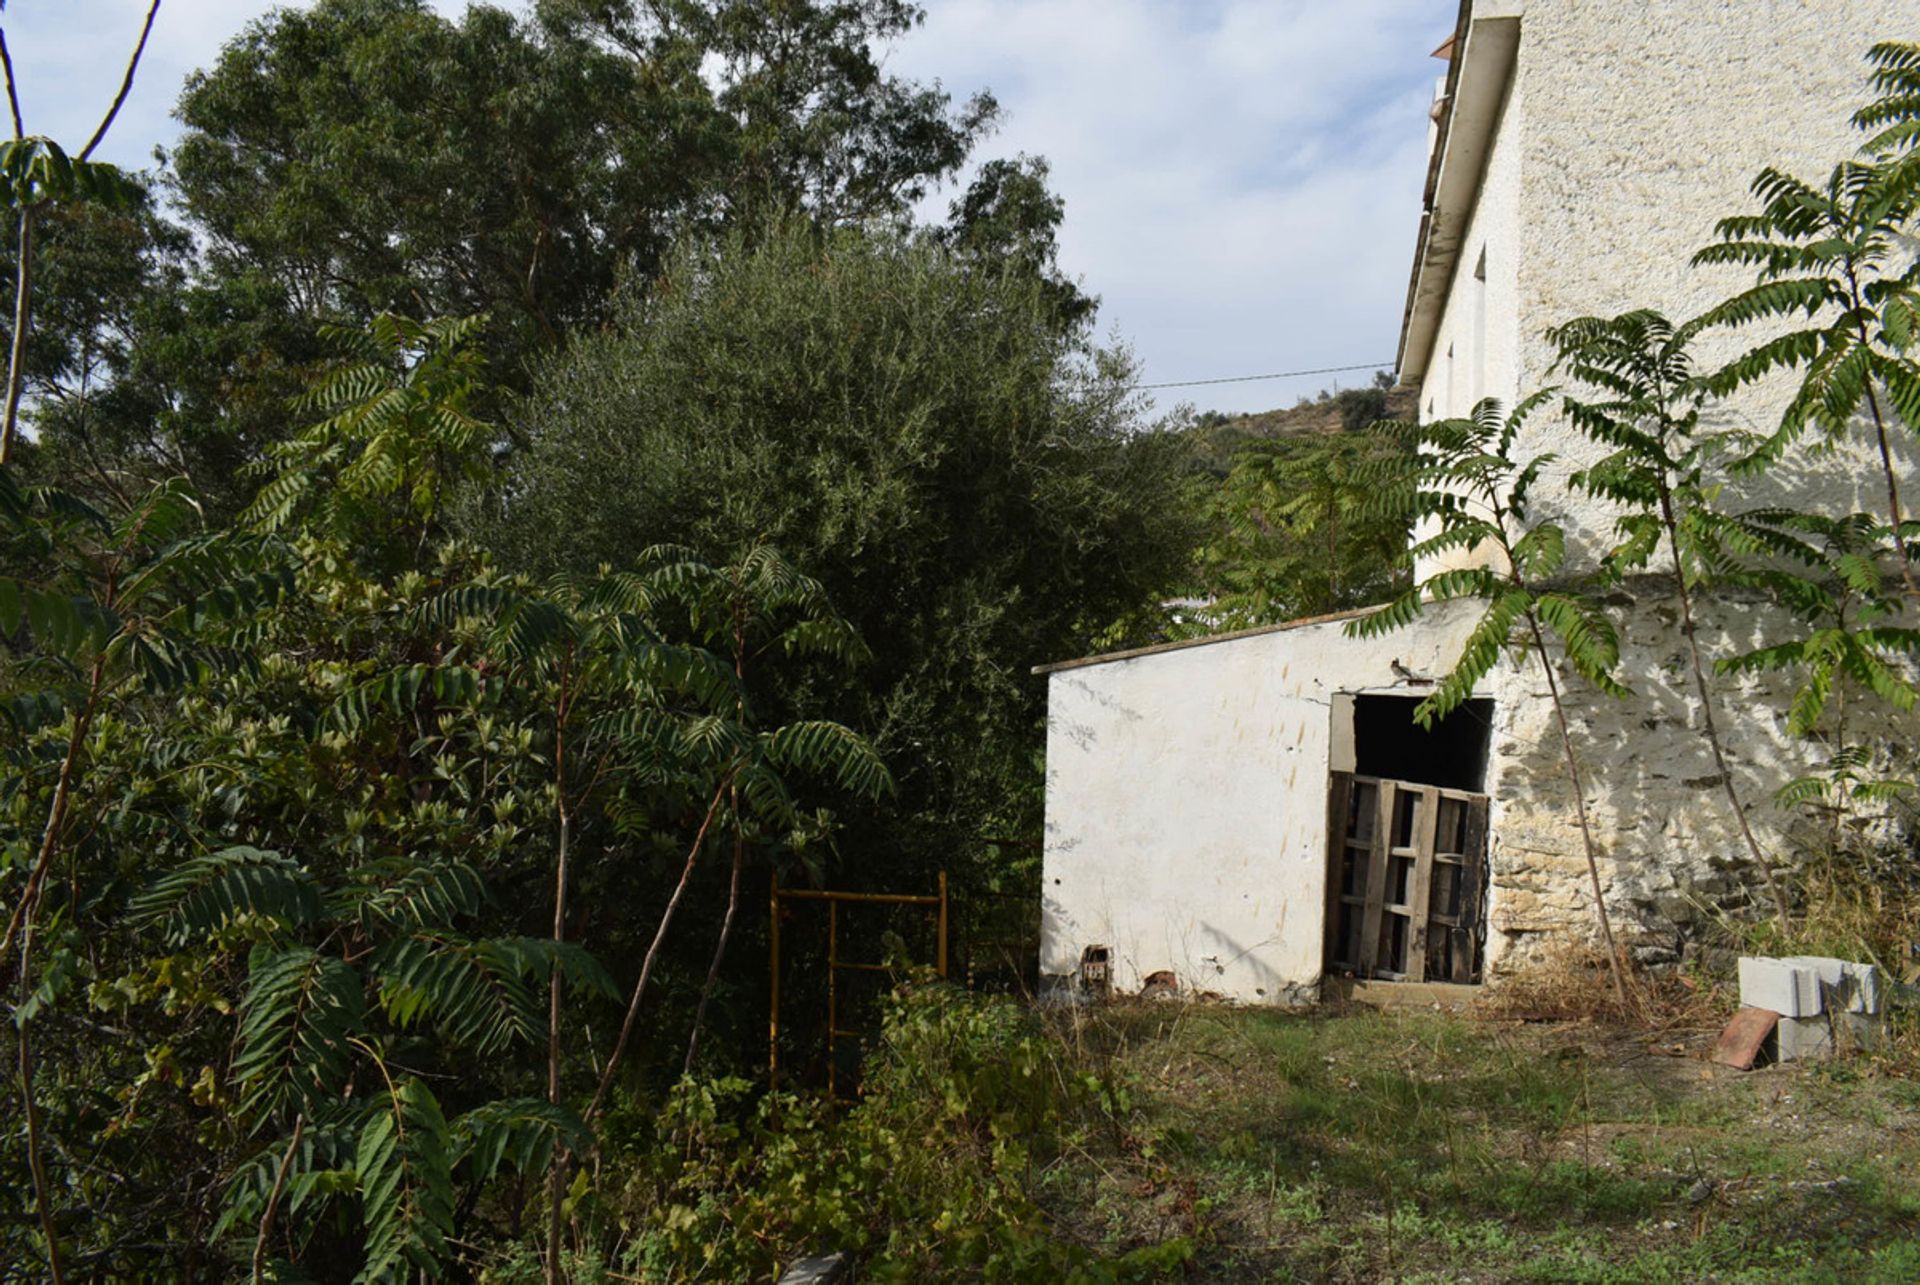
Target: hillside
<point>1218,435</point>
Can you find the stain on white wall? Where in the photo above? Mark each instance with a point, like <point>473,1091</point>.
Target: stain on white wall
<point>1187,802</point>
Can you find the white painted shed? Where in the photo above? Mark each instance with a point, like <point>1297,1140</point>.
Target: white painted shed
<point>1580,152</point>
<point>1188,821</point>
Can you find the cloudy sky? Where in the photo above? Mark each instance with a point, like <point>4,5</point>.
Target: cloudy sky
<point>1242,177</point>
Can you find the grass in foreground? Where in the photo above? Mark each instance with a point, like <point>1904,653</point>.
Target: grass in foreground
<point>1418,1146</point>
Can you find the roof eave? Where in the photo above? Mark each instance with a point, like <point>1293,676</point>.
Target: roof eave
<point>1486,42</point>
<point>1185,644</point>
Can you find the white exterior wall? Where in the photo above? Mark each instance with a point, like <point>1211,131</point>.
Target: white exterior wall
<point>1186,790</point>
<point>1187,803</point>
<point>1476,349</point>
<point>1629,132</point>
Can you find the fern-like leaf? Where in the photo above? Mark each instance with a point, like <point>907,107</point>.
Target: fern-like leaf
<point>404,1160</point>
<point>208,892</point>
<point>300,1010</point>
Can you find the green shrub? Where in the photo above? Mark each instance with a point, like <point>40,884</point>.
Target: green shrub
<point>930,1173</point>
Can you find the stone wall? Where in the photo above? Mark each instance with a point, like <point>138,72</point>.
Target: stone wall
<point>1673,856</point>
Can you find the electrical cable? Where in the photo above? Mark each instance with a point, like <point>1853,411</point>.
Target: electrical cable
<point>1283,374</point>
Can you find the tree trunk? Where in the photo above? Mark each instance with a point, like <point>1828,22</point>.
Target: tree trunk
<point>1614,967</point>
<point>557,1175</point>
<point>653,952</point>
<point>56,816</point>
<point>22,318</point>
<point>273,1201</point>
<point>36,1161</point>
<point>1895,518</point>
<point>720,948</point>
<point>1707,723</point>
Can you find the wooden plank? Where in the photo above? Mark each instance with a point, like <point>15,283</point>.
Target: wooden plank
<point>1422,890</point>
<point>1466,935</point>
<point>1387,993</point>
<point>1339,792</point>
<point>1376,880</point>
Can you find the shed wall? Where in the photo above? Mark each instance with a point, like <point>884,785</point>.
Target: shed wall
<point>1187,803</point>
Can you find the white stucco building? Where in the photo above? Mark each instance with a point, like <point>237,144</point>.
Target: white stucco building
<point>1201,796</point>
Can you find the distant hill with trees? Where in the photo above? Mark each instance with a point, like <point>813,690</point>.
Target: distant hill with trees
<point>1217,435</point>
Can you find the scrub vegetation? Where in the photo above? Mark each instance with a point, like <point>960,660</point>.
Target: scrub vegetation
<point>509,492</point>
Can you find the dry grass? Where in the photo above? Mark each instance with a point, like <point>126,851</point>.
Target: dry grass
<point>1569,982</point>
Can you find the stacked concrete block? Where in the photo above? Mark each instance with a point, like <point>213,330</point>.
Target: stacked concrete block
<point>1825,1005</point>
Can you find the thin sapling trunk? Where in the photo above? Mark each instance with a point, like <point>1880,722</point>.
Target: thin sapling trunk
<point>557,1176</point>
<point>1707,724</point>
<point>1614,968</point>
<point>720,947</point>
<point>653,952</point>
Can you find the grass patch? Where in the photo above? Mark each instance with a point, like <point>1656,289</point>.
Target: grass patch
<point>1423,1146</point>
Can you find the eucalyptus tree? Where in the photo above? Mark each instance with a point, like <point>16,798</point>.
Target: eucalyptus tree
<point>1465,483</point>
<point>353,157</point>
<point>526,161</point>
<point>36,173</point>
<point>97,271</point>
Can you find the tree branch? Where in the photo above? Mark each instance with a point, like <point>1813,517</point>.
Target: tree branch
<point>13,95</point>
<point>273,1201</point>
<point>126,86</point>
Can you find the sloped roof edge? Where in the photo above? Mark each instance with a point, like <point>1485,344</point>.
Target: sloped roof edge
<point>1486,40</point>
<point>1184,643</point>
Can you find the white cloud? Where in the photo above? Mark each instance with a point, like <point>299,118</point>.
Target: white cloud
<point>1242,176</point>
<point>69,57</point>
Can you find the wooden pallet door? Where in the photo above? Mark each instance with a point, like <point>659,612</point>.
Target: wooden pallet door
<point>1455,929</point>
<point>1405,879</point>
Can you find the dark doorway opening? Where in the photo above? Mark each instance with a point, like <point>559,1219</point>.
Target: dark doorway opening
<point>1387,742</point>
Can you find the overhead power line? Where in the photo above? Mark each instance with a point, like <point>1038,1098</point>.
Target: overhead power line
<point>1280,374</point>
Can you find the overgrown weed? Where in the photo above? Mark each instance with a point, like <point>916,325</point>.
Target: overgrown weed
<point>1367,1144</point>
<point>1566,981</point>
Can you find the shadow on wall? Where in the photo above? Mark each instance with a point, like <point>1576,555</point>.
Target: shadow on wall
<point>1270,985</point>
<point>1672,854</point>
<point>1833,477</point>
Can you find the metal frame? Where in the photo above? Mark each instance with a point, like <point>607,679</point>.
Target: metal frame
<point>835,965</point>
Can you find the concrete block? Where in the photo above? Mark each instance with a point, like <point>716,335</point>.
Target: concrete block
<point>821,1269</point>
<point>1787,989</point>
<point>1846,986</point>
<point>1826,1034</point>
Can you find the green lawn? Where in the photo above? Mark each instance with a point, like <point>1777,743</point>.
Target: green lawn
<point>1412,1145</point>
